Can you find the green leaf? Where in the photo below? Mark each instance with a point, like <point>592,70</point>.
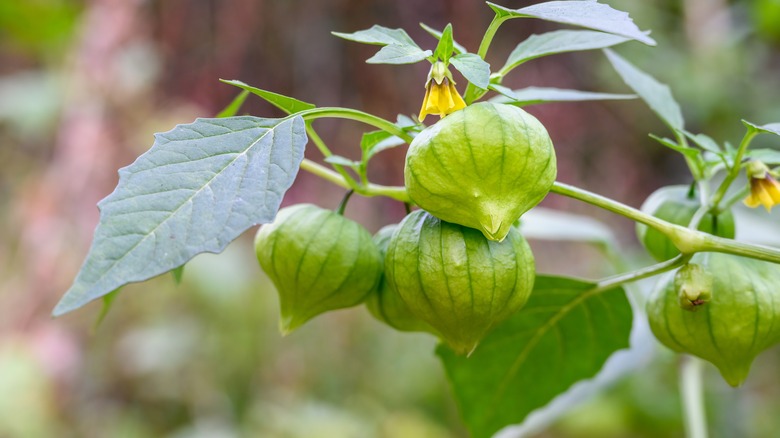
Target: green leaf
<point>404,122</point>
<point>371,138</point>
<point>583,13</point>
<point>108,304</point>
<point>655,94</point>
<point>199,187</point>
<point>536,95</point>
<point>376,141</point>
<point>564,334</point>
<point>473,68</point>
<point>772,128</point>
<point>235,105</point>
<point>178,273</point>
<point>385,144</point>
<point>671,144</point>
<point>379,35</point>
<point>445,47</point>
<point>768,156</point>
<point>703,141</point>
<point>342,161</point>
<point>287,104</point>
<point>437,34</point>
<point>559,41</point>
<point>398,54</point>
<point>399,46</point>
<point>547,224</point>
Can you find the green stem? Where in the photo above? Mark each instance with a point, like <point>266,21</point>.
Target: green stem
<point>688,241</point>
<point>611,205</point>
<point>325,151</point>
<point>714,205</point>
<point>639,274</point>
<point>733,199</point>
<point>734,171</point>
<point>693,165</point>
<point>360,116</point>
<point>324,173</point>
<point>472,92</point>
<point>344,201</point>
<point>710,243</point>
<point>397,193</point>
<point>692,393</point>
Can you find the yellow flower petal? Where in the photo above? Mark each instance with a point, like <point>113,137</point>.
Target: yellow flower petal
<point>774,189</point>
<point>459,103</point>
<point>764,190</point>
<point>765,198</point>
<point>441,99</point>
<point>445,100</point>
<point>424,110</point>
<point>751,201</point>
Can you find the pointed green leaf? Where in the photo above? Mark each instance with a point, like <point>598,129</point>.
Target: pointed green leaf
<point>199,187</point>
<point>379,35</point>
<point>371,138</point>
<point>342,161</point>
<point>385,144</point>
<point>564,334</point>
<point>473,68</point>
<point>583,13</point>
<point>536,95</point>
<point>559,41</point>
<point>287,104</point>
<point>657,95</point>
<point>229,111</point>
<point>671,144</point>
<point>178,274</point>
<point>548,224</point>
<point>703,141</point>
<point>235,105</point>
<point>437,34</point>
<point>772,128</point>
<point>398,54</point>
<point>768,156</point>
<point>444,49</point>
<point>404,122</point>
<point>399,48</point>
<point>108,304</point>
<point>376,141</point>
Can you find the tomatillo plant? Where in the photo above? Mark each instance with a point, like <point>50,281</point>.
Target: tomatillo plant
<point>459,267</point>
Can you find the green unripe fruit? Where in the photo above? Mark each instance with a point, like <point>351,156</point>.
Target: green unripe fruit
<point>741,320</point>
<point>318,260</point>
<point>673,204</point>
<point>481,167</point>
<point>455,279</point>
<point>386,304</point>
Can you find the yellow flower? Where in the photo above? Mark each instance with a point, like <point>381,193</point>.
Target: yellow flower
<point>441,96</point>
<point>764,188</point>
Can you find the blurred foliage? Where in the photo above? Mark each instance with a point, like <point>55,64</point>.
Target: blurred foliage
<point>41,28</point>
<point>83,85</point>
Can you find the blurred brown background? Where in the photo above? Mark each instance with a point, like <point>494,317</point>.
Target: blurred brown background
<point>85,84</point>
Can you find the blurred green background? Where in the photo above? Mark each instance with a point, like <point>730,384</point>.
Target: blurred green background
<point>85,84</point>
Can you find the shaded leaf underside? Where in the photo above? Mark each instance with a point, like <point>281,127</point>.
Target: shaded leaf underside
<point>198,188</point>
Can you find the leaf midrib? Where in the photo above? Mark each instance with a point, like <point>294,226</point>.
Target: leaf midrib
<point>189,199</point>
<point>532,344</point>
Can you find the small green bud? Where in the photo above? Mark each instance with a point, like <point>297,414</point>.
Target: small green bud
<point>694,286</point>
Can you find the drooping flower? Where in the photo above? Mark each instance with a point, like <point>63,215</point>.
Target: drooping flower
<point>764,188</point>
<point>441,96</point>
